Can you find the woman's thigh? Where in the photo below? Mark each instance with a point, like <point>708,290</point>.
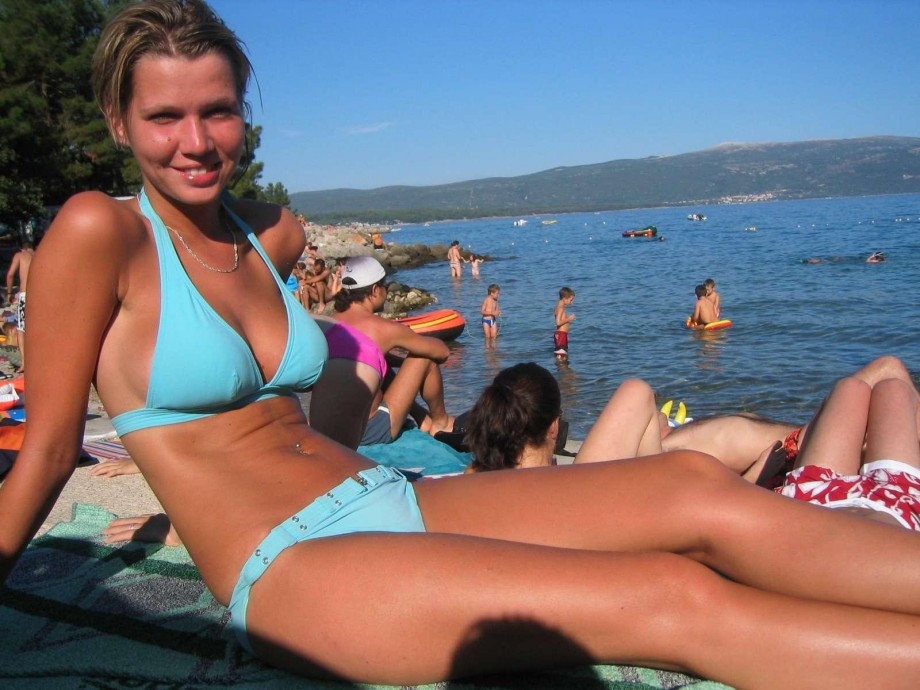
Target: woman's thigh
<point>624,505</point>
<point>689,504</point>
<point>412,608</point>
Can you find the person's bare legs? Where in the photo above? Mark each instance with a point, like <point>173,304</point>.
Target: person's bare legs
<point>735,440</point>
<point>628,426</point>
<point>320,289</point>
<point>21,343</point>
<point>892,432</point>
<point>650,608</point>
<point>417,375</point>
<point>838,430</point>
<point>890,367</point>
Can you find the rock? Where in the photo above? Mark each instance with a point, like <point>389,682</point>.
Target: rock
<point>337,243</point>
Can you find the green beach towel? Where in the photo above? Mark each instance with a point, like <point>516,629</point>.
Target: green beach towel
<point>76,613</point>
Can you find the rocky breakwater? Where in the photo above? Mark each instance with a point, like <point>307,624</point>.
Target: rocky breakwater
<point>338,242</point>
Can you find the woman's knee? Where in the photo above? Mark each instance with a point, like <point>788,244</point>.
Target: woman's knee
<point>637,389</point>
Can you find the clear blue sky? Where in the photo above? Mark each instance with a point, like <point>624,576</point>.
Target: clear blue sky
<point>369,93</point>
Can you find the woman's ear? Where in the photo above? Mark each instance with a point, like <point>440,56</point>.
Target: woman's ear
<point>119,130</point>
<point>553,431</point>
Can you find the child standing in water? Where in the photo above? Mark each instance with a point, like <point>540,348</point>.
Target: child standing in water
<point>490,312</point>
<point>475,261</point>
<point>713,296</point>
<point>563,321</point>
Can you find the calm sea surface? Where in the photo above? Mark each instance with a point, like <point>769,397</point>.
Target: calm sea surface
<point>798,326</point>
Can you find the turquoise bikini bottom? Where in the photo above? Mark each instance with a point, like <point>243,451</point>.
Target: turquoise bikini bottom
<point>376,500</point>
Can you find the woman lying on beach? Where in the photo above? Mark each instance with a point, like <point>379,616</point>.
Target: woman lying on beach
<point>861,451</point>
<point>670,561</point>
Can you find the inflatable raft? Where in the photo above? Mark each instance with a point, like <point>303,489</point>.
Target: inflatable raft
<point>712,325</point>
<point>648,231</point>
<point>446,324</point>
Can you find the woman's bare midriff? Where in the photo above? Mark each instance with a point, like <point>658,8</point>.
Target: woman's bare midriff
<point>225,481</point>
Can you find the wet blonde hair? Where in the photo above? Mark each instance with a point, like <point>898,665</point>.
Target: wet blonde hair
<point>174,28</point>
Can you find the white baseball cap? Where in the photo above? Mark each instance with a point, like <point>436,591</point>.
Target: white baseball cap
<point>362,271</point>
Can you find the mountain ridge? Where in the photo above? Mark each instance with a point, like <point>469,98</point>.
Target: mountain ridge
<point>726,173</point>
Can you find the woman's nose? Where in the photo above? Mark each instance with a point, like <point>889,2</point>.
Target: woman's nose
<point>195,137</point>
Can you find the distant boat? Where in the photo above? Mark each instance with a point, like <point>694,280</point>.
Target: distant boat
<point>696,216</point>
<point>520,223</point>
<point>647,231</point>
<point>549,222</point>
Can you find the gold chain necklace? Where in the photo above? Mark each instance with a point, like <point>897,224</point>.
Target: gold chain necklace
<point>236,251</point>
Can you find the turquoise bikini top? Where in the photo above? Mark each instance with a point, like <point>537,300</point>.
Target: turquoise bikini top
<point>201,366</point>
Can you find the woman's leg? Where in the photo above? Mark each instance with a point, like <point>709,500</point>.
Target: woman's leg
<point>837,432</point>
<point>892,426</point>
<point>426,607</point>
<point>629,426</point>
<point>417,375</point>
<point>687,503</point>
<point>737,440</point>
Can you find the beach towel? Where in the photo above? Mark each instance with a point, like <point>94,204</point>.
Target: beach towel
<point>110,450</point>
<point>417,451</point>
<point>76,613</point>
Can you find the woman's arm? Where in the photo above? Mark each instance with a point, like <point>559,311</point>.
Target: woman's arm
<point>402,336</point>
<point>66,329</point>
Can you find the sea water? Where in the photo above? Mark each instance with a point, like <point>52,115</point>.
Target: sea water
<point>797,326</point>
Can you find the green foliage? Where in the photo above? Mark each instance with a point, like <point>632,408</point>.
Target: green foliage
<point>54,142</point>
<point>275,193</point>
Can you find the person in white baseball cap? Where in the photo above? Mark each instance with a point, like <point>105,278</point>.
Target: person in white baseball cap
<point>358,400</point>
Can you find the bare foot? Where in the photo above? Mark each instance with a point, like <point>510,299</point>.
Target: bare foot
<point>445,425</point>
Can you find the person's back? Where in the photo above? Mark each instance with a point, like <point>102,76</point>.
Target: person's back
<point>704,312</point>
<point>19,270</point>
<point>383,403</point>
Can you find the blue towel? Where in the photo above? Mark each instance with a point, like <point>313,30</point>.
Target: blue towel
<point>417,451</point>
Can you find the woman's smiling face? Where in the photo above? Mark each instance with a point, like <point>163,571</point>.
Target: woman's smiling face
<point>184,125</point>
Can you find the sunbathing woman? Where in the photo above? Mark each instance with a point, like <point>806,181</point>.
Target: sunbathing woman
<point>670,561</point>
<point>358,401</point>
<point>832,468</point>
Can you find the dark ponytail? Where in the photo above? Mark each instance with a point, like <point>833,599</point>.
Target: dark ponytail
<point>514,411</point>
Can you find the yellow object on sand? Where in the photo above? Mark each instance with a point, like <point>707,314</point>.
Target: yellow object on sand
<point>666,408</point>
<point>681,415</point>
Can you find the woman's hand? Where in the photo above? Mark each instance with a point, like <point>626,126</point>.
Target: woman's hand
<point>114,468</point>
<point>154,528</point>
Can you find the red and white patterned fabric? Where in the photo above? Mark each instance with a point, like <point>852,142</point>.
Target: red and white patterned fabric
<point>888,486</point>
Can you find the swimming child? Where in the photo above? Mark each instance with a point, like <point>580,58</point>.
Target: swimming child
<point>563,321</point>
<point>704,312</point>
<point>490,312</point>
<point>713,296</point>
<point>475,261</point>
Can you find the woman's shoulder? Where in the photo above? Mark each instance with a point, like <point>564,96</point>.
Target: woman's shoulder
<point>97,217</point>
<point>274,225</point>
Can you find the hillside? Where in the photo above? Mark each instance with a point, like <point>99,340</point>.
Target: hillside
<point>725,173</point>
